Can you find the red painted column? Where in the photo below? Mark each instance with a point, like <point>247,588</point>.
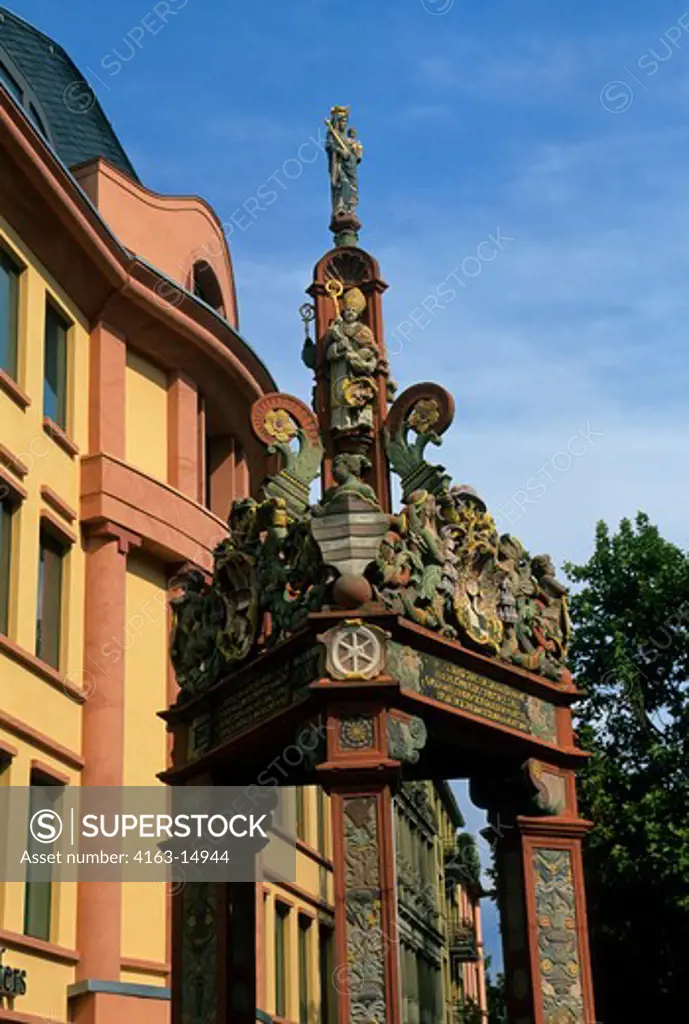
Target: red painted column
<point>99,904</point>
<point>183,443</point>
<point>361,778</point>
<point>108,363</point>
<point>544,926</point>
<point>367,972</point>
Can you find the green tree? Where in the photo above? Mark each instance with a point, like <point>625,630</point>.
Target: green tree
<point>495,995</point>
<point>631,656</point>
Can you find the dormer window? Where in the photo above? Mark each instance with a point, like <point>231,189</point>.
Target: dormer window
<point>21,92</point>
<point>13,87</point>
<point>206,286</point>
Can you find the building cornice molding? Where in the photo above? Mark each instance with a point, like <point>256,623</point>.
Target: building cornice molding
<point>46,950</point>
<point>128,276</point>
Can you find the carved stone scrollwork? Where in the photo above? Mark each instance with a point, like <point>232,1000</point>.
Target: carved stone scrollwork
<point>406,739</point>
<point>422,412</point>
<point>349,267</point>
<point>531,789</point>
<point>550,795</point>
<point>279,421</point>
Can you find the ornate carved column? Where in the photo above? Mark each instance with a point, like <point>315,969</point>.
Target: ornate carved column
<point>365,747</point>
<point>367,972</point>
<point>543,905</point>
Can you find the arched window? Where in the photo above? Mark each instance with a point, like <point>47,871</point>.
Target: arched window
<point>206,286</point>
<point>22,93</point>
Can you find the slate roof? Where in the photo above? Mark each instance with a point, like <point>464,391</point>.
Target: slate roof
<point>78,134</point>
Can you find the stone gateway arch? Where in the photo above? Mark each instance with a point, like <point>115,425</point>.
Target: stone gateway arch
<point>393,646</point>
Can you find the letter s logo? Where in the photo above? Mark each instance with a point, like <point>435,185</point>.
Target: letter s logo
<point>46,826</point>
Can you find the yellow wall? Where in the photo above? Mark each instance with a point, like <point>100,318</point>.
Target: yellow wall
<point>313,879</point>
<point>48,464</point>
<point>296,907</point>
<point>22,690</point>
<point>146,416</point>
<point>145,643</point>
<point>24,694</point>
<point>145,741</point>
<point>47,981</point>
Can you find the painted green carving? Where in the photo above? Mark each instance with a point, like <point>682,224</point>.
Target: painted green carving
<point>347,471</point>
<point>407,456</point>
<point>406,738</point>
<point>301,467</point>
<point>286,426</point>
<point>366,942</point>
<point>419,417</point>
<point>268,575</point>
<point>560,967</point>
<point>443,565</point>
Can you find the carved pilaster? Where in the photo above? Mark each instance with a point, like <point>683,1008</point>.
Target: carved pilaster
<point>367,967</point>
<point>543,908</point>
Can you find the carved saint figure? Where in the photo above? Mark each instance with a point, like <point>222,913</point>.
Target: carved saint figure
<point>353,358</point>
<point>344,156</point>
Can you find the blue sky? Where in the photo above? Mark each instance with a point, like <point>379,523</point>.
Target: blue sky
<point>560,129</point>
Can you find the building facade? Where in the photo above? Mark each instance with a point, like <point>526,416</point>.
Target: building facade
<point>439,919</point>
<point>125,389</point>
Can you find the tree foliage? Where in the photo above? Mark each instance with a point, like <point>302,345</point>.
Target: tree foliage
<point>631,656</point>
<point>496,995</point>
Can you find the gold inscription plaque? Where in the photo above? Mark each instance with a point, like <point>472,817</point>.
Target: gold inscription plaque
<point>254,702</point>
<point>459,688</point>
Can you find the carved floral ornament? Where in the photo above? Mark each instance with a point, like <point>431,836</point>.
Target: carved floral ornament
<point>280,425</point>
<point>356,732</point>
<point>424,415</point>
